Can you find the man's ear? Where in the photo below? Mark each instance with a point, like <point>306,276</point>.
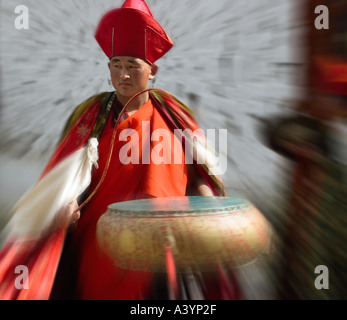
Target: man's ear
<point>154,71</point>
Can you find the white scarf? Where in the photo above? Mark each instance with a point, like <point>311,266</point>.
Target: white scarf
<point>37,209</point>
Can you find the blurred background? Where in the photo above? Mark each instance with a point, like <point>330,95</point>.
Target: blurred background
<point>238,64</point>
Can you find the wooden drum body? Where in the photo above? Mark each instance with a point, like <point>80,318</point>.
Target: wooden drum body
<point>200,231</point>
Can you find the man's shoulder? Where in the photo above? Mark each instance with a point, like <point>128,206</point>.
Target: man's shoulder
<point>99,97</point>
<point>95,101</point>
<point>93,104</point>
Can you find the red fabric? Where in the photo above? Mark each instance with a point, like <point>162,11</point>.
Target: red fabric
<point>171,271</point>
<point>77,137</point>
<point>330,75</point>
<point>41,257</point>
<point>98,276</point>
<point>132,31</point>
<point>137,4</point>
<point>178,117</point>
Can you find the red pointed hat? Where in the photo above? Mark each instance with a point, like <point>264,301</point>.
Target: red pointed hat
<point>132,31</point>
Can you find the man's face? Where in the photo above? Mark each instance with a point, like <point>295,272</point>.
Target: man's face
<point>130,75</point>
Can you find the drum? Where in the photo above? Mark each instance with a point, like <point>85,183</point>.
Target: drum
<point>201,233</point>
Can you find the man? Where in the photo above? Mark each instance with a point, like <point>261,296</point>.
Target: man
<point>133,40</point>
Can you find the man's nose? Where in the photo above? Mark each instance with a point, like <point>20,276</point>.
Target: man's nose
<point>125,74</point>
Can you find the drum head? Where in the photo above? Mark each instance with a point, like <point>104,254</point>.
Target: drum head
<point>178,206</point>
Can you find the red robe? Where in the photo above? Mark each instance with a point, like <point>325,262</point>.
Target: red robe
<point>98,278</point>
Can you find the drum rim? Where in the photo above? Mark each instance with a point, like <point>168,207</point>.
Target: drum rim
<point>140,213</point>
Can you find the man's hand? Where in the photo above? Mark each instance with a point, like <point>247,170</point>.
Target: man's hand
<point>196,186</point>
<point>66,215</point>
<point>203,189</point>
